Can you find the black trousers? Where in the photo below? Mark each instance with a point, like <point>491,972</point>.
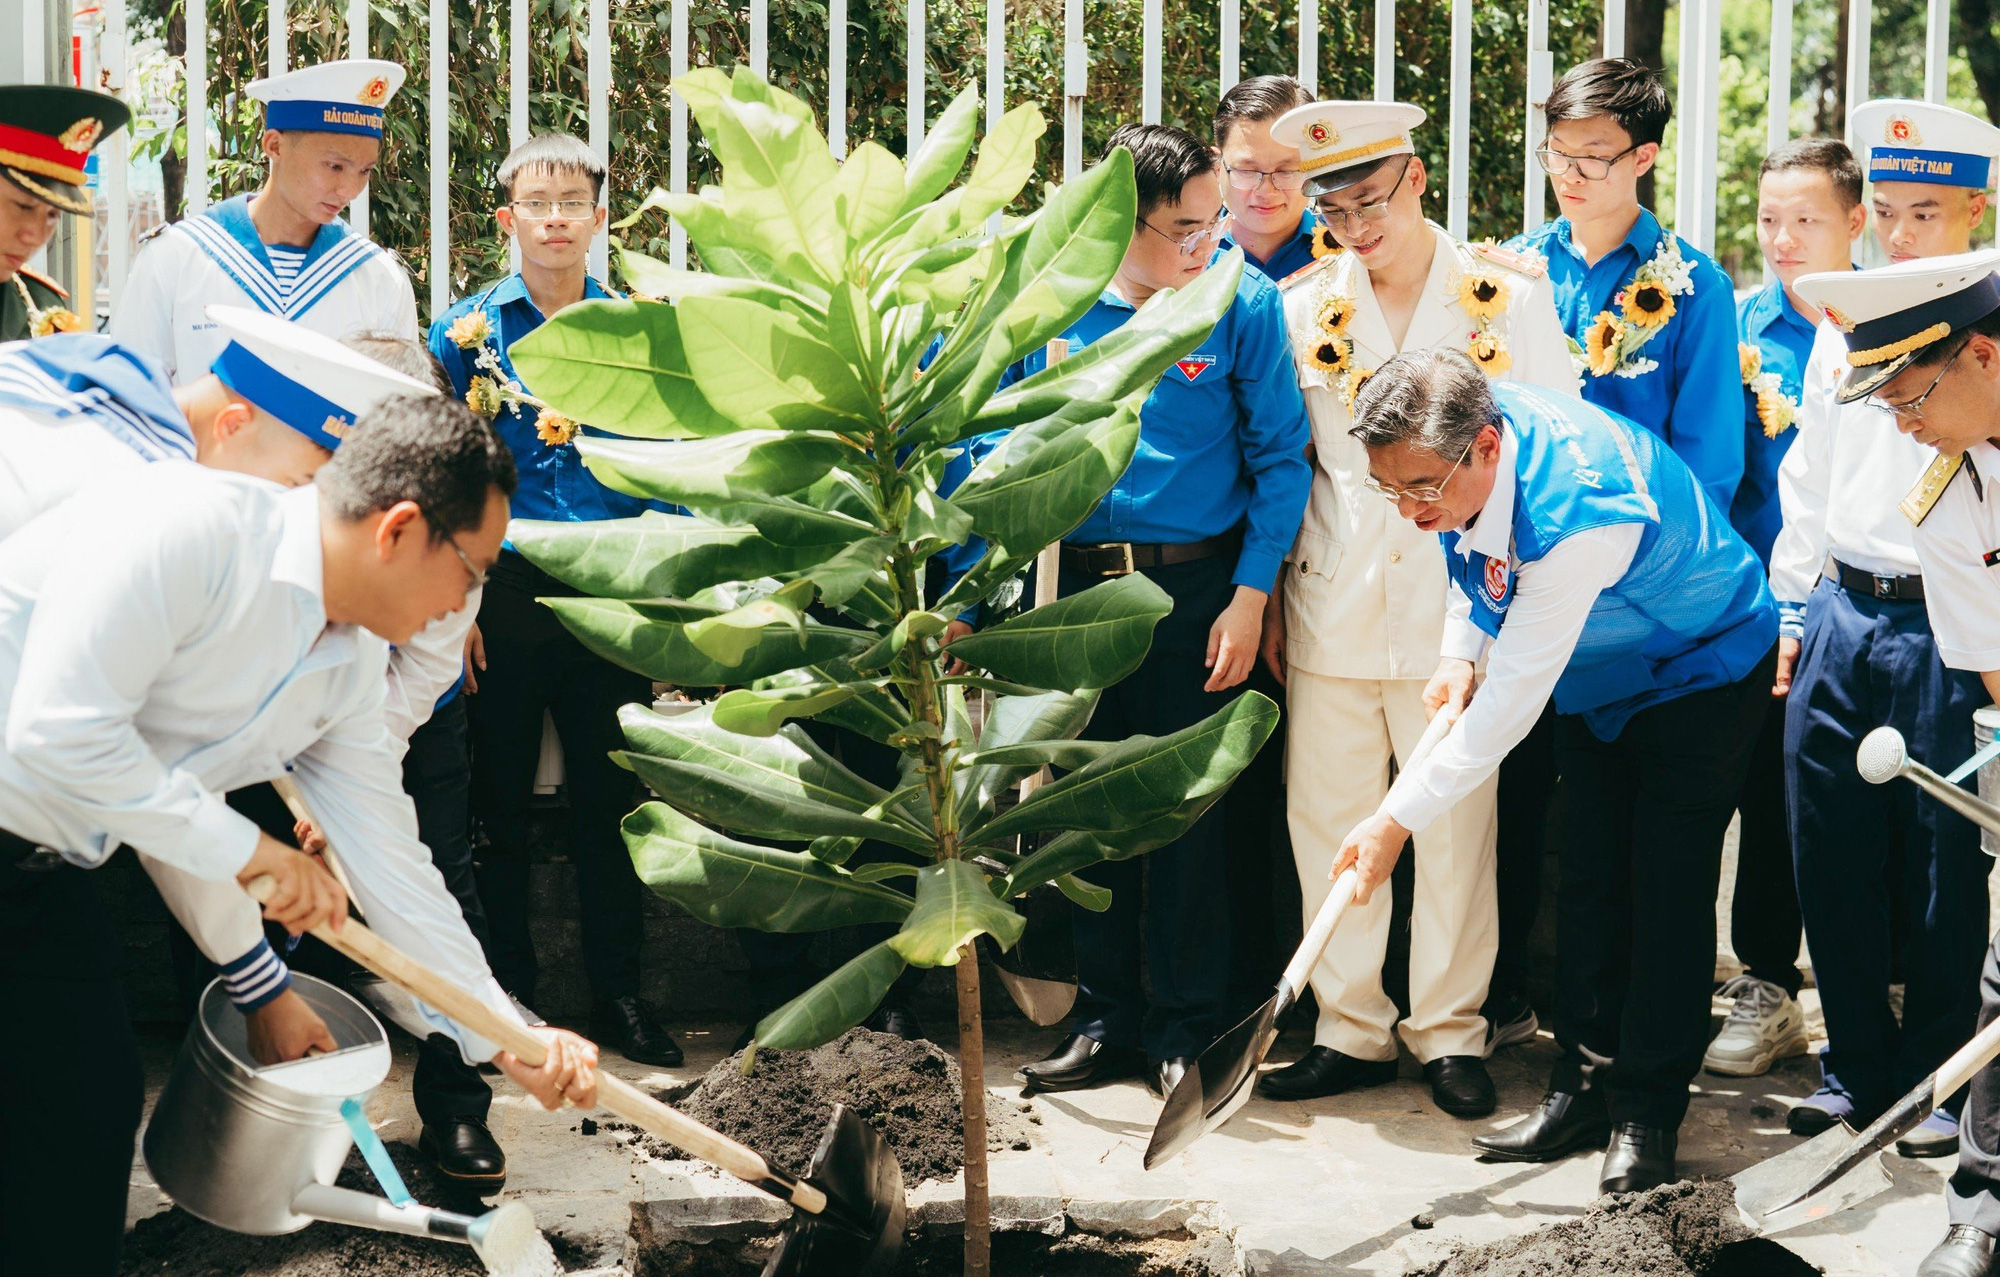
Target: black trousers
<point>534,665</point>
<point>1169,908</point>
<point>1640,822</point>
<point>1527,783</point>
<point>1973,1194</point>
<point>1764,926</point>
<point>63,1166</point>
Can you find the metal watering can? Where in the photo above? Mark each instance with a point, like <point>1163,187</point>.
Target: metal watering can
<point>255,1149</point>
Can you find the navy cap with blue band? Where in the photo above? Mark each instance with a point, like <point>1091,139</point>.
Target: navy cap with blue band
<point>1942,168</point>
<point>317,418</point>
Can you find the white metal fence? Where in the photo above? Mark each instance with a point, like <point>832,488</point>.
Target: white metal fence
<point>1700,30</point>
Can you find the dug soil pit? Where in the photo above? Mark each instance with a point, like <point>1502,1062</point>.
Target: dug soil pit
<point>908,1091</point>
<point>942,1254</point>
<point>178,1244</point>
<point>1685,1229</point>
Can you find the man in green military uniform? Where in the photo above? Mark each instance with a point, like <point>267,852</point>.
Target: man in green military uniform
<point>46,133</point>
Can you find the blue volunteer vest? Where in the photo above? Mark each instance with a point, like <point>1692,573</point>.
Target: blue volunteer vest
<point>1692,612</point>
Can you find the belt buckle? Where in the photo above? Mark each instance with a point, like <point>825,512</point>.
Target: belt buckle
<point>1127,567</point>
<point>1885,587</point>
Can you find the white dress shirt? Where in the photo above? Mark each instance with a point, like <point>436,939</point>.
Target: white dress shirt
<point>1552,601</point>
<point>44,458</point>
<point>1959,546</point>
<point>1839,486</point>
<point>166,640</point>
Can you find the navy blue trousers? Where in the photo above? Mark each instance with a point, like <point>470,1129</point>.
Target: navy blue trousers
<point>1868,663</point>
<point>1169,908</point>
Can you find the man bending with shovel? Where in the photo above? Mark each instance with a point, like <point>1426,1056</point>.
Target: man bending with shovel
<point>1586,563</point>
<point>170,635</point>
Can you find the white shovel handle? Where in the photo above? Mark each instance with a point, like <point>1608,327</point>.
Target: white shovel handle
<point>1337,900</point>
<point>1966,1061</point>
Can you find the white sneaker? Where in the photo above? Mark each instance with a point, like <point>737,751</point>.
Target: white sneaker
<point>1766,1025</point>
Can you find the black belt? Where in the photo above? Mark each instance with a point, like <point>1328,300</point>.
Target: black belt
<point>26,856</point>
<point>1890,589</point>
<point>1122,558</point>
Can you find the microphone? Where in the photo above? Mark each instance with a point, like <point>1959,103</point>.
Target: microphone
<point>1883,756</point>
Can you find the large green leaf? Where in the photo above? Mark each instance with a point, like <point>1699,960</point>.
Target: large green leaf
<point>727,883</point>
<point>762,367</point>
<point>1015,720</point>
<point>659,281</point>
<point>622,632</point>
<point>729,801</point>
<point>942,155</point>
<point>1074,851</point>
<point>776,173</point>
<point>836,1004</point>
<point>709,228</point>
<point>1038,486</point>
<point>955,905</point>
<point>789,762</point>
<point>620,366</point>
<point>1143,778</point>
<point>868,194</point>
<point>748,462</point>
<point>762,711</point>
<point>1091,639</point>
<point>656,555</point>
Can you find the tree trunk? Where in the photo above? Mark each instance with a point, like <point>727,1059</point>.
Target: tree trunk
<point>173,168</point>
<point>1645,43</point>
<point>1982,51</point>
<point>972,1093</point>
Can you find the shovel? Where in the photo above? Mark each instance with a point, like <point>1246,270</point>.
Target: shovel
<point>1222,1077</point>
<point>1039,972</point>
<point>1837,1169</point>
<point>848,1208</point>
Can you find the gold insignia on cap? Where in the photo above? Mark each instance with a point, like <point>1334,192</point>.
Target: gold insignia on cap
<point>82,135</point>
<point>1916,504</point>
<point>1902,131</point>
<point>1839,318</point>
<point>1322,133</point>
<point>334,426</point>
<point>374,93</point>
<point>1897,349</point>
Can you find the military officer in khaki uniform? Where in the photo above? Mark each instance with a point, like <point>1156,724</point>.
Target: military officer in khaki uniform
<point>1360,625</point>
<point>46,133</point>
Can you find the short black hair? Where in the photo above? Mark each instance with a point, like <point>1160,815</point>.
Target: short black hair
<point>1164,159</point>
<point>1259,99</point>
<point>1632,95</point>
<point>552,154</point>
<point>430,449</point>
<point>401,354</point>
<point>1823,155</point>
<point>1938,351</point>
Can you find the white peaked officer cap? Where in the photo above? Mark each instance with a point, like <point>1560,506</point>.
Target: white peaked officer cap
<point>1906,141</point>
<point>305,379</point>
<point>333,97</point>
<point>1890,314</point>
<point>1341,143</point>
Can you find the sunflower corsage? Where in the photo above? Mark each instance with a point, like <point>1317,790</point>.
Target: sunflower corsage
<point>44,323</point>
<point>1777,411</point>
<point>1639,312</point>
<point>1329,348</point>
<point>1482,296</point>
<point>492,391</point>
<point>1323,242</point>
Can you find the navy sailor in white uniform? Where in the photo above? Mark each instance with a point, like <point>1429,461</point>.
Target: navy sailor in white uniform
<point>1588,565</point>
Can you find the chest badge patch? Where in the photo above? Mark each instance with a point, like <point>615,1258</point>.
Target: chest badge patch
<point>1496,579</point>
<point>1194,366</point>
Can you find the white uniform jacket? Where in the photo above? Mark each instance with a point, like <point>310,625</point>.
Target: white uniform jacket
<point>346,285</point>
<point>1364,590</point>
<point>165,638</point>
<point>1958,544</point>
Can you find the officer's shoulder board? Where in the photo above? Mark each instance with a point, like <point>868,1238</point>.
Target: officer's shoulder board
<point>38,278</point>
<point>1303,273</point>
<point>1518,262</point>
<point>1917,502</point>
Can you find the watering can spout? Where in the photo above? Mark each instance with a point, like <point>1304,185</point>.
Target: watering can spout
<point>500,1233</point>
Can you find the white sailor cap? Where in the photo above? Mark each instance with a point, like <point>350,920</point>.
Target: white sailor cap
<point>1889,314</point>
<point>1341,143</point>
<point>1909,141</point>
<point>333,97</point>
<point>305,379</point>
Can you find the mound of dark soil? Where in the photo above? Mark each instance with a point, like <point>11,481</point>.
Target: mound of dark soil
<point>1685,1229</point>
<point>908,1091</point>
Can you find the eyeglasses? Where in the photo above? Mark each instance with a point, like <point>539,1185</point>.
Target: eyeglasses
<point>1351,220</point>
<point>1249,179</point>
<point>1426,493</point>
<point>1914,409</point>
<point>1191,242</point>
<point>539,210</point>
<point>1591,168</point>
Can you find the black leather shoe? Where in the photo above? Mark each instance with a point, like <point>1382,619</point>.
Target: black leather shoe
<point>1640,1157</point>
<point>1964,1252</point>
<point>1079,1062</point>
<point>626,1024</point>
<point>896,1019</point>
<point>1324,1071</point>
<point>465,1152</point>
<point>1163,1077</point>
<point>1460,1085</point>
<point>1564,1122</point>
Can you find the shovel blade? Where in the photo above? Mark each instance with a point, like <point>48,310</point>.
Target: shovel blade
<point>1768,1194</point>
<point>1039,970</point>
<point>1219,1083</point>
<point>862,1229</point>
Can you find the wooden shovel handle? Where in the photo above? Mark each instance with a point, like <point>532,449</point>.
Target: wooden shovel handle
<point>1966,1061</point>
